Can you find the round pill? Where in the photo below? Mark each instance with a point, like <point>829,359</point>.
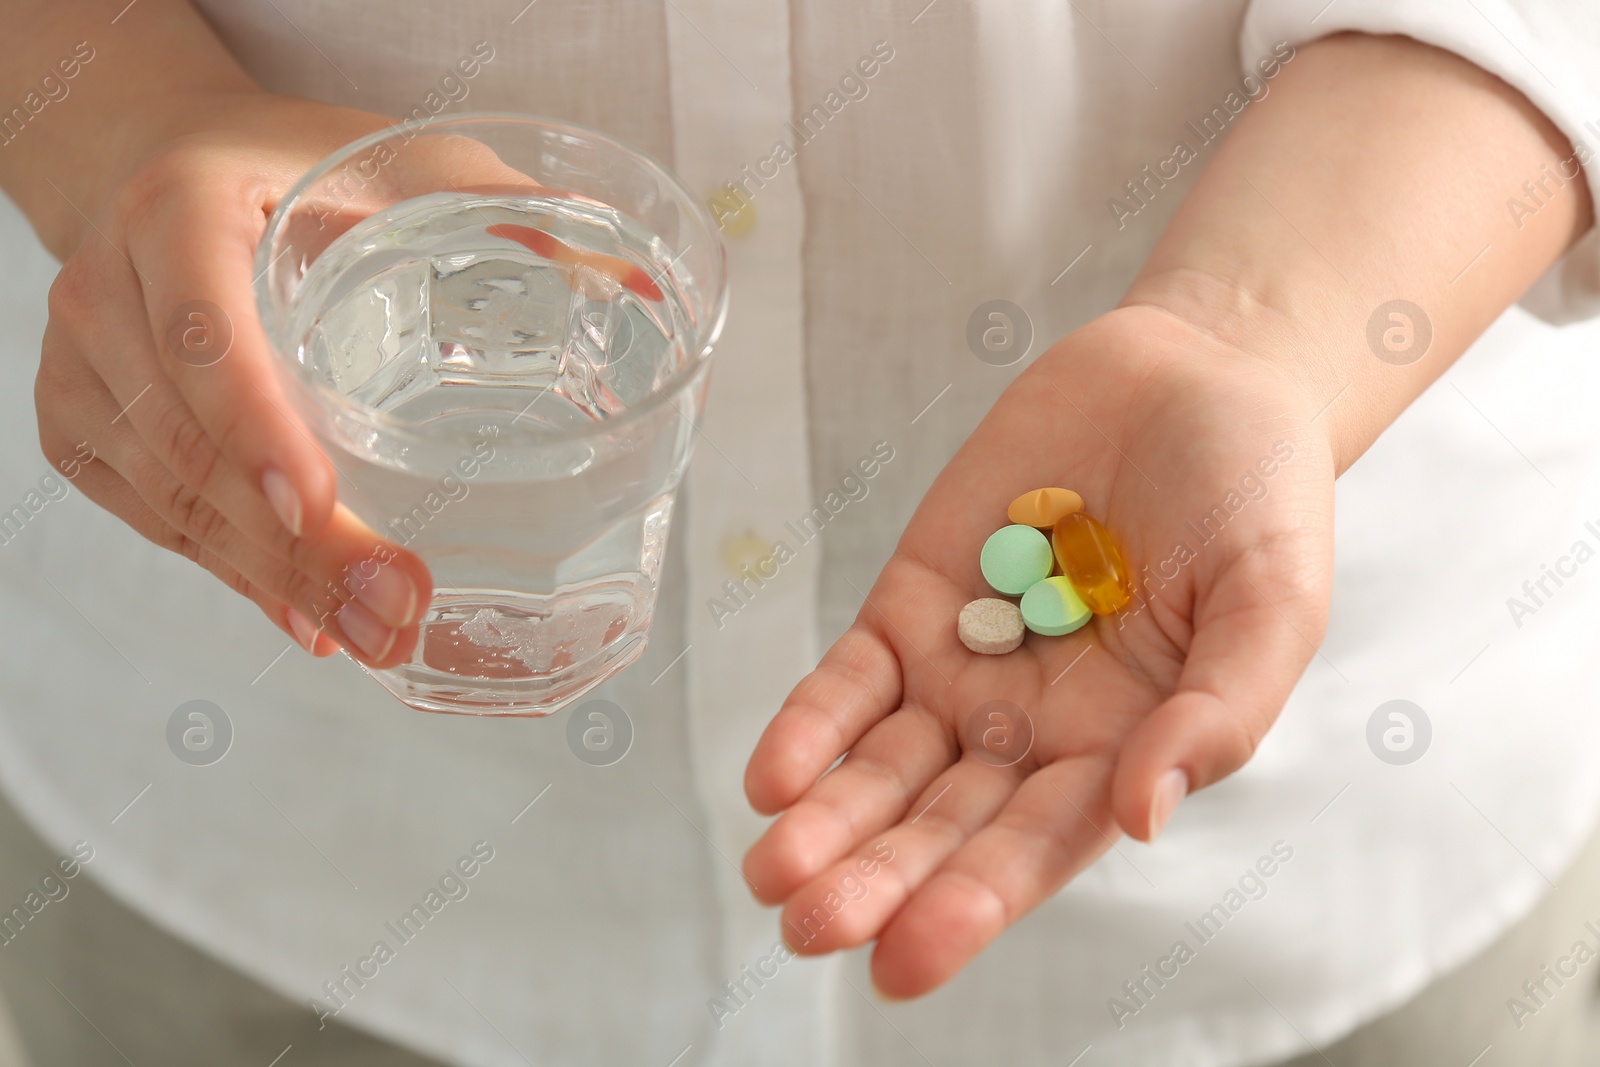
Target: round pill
<point>1043,507</point>
<point>990,626</point>
<point>1091,560</point>
<point>1014,558</point>
<point>1052,607</point>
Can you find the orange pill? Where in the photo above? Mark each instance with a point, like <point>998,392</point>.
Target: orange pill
<point>1043,507</point>
<point>1092,562</point>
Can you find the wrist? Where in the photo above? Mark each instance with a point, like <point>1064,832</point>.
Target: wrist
<point>1316,240</point>
<point>184,136</point>
<point>1243,325</point>
<point>100,154</point>
<point>111,97</point>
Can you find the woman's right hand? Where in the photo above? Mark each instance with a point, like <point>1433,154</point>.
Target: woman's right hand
<point>207,458</point>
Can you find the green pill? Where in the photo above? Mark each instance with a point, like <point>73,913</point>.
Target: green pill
<point>1014,558</point>
<point>1052,607</point>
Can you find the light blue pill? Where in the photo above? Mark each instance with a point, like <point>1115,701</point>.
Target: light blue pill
<point>1015,558</point>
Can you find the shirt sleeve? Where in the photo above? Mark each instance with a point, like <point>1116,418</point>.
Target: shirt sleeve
<point>1549,50</point>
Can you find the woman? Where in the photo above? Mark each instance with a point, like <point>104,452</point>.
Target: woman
<point>1240,238</point>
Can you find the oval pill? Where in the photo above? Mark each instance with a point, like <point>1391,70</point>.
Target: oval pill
<point>990,626</point>
<point>1014,557</point>
<point>1043,508</point>
<point>1091,560</point>
<point>1053,607</point>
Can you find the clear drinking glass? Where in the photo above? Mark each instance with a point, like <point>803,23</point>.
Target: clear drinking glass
<point>499,329</point>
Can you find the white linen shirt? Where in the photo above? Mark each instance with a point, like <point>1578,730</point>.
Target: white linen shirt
<point>979,161</point>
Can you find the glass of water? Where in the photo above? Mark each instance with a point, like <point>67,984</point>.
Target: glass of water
<point>499,329</point>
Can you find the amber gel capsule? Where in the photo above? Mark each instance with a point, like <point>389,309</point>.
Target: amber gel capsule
<point>1092,563</point>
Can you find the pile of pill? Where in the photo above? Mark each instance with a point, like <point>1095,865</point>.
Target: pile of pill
<point>1063,579</point>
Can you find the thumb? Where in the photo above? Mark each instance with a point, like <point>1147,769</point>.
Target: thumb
<point>1254,633</point>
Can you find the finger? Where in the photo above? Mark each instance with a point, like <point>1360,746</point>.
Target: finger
<point>455,163</point>
<point>1048,832</point>
<point>854,686</point>
<point>308,635</point>
<point>295,571</point>
<point>200,306</point>
<point>345,581</point>
<point>103,485</point>
<point>198,253</point>
<point>846,906</point>
<point>868,792</point>
<point>1247,653</point>
<point>99,318</point>
<point>346,574</point>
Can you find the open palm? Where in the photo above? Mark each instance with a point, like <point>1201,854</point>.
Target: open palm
<point>975,786</point>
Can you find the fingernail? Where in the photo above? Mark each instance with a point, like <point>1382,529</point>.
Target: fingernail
<point>1173,787</point>
<point>305,631</point>
<point>284,500</point>
<point>363,628</point>
<point>389,594</point>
